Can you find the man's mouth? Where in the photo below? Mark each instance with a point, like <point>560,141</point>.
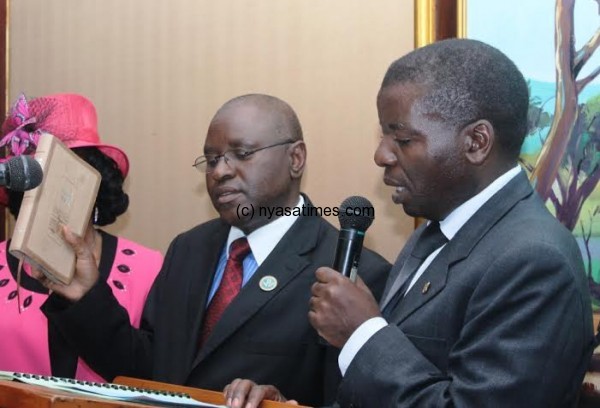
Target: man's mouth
<point>227,195</point>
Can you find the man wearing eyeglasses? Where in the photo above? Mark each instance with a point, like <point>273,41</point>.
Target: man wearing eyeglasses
<point>232,298</point>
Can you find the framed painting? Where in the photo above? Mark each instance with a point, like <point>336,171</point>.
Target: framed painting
<point>562,150</point>
<point>559,57</point>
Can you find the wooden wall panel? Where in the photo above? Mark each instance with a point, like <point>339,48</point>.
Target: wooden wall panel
<point>158,70</point>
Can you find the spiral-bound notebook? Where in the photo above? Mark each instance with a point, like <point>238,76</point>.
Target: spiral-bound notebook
<point>110,391</point>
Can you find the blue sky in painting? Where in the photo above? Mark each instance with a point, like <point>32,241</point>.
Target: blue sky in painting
<point>524,30</point>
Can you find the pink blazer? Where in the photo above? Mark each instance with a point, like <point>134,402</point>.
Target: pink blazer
<point>24,336</point>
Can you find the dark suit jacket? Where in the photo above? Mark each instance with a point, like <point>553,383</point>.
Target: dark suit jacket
<point>504,322</point>
<point>263,336</point>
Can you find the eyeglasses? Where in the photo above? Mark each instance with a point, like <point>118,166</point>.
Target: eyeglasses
<point>208,163</point>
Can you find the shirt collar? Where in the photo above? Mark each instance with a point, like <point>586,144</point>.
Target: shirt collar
<point>264,239</point>
<point>459,217</point>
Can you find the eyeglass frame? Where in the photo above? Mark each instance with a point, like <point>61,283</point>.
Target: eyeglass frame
<point>202,161</point>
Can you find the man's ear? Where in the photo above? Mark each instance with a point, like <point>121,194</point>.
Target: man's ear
<point>479,139</point>
<point>297,155</point>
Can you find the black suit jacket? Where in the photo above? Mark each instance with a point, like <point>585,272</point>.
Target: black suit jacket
<point>501,318</point>
<point>263,336</point>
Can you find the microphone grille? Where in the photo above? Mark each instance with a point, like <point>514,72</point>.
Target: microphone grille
<point>356,212</point>
<point>24,172</point>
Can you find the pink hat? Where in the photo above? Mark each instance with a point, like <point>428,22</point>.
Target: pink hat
<point>70,117</point>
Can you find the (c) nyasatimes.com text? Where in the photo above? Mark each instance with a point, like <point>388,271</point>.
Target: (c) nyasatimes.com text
<point>245,211</point>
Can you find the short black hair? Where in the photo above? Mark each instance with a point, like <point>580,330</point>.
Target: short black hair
<point>465,81</point>
<point>111,201</point>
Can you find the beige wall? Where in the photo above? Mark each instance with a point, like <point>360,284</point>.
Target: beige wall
<point>158,70</point>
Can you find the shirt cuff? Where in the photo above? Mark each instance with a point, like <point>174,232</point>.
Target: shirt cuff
<point>358,339</point>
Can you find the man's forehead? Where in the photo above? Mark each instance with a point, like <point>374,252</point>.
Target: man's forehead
<point>241,127</point>
<point>403,90</point>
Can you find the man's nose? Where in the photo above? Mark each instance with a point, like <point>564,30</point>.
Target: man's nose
<point>384,155</point>
<point>223,168</point>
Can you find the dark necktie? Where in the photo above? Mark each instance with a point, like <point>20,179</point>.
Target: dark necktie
<point>431,239</point>
<point>229,287</point>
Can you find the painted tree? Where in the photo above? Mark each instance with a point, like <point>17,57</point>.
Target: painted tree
<point>586,235</point>
<point>537,118</point>
<point>569,63</point>
<point>581,166</point>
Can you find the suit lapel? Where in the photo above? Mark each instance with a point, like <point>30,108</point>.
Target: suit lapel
<point>429,284</point>
<point>392,283</point>
<point>434,279</point>
<point>286,261</point>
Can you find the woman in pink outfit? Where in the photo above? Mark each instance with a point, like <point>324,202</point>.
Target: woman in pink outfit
<point>27,342</point>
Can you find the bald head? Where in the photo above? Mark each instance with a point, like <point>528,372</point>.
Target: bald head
<point>270,110</point>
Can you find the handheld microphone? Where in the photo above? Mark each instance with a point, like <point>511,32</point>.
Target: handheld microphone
<point>356,214</point>
<point>21,173</point>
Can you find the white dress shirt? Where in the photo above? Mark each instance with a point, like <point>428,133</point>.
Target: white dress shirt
<point>262,242</point>
<point>264,239</point>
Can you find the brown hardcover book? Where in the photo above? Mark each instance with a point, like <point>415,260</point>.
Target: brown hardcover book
<point>65,196</point>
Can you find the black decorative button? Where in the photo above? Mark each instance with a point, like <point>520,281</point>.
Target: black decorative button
<point>3,282</point>
<point>123,268</point>
<point>27,302</point>
<point>118,285</point>
<point>12,295</point>
<point>128,251</point>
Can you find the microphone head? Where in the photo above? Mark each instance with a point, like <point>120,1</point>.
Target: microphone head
<point>24,173</point>
<point>356,212</point>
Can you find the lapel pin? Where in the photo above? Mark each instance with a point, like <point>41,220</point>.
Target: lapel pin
<point>267,283</point>
<point>426,288</point>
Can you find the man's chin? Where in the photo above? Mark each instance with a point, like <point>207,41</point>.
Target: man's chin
<point>231,217</point>
<point>407,205</point>
<point>231,212</point>
<point>412,211</point>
